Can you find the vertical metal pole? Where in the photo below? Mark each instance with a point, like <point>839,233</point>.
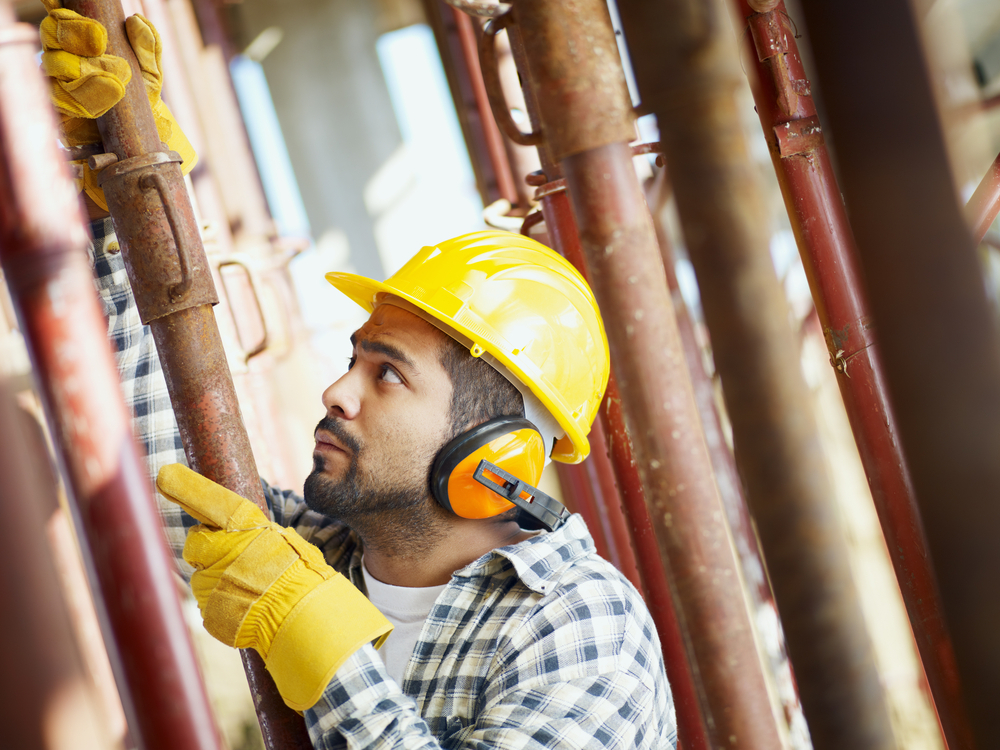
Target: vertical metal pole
<point>816,211</point>
<point>984,205</point>
<point>589,487</point>
<point>173,288</point>
<point>690,726</point>
<point>43,251</point>
<point>730,484</point>
<point>563,234</point>
<point>927,294</point>
<point>687,74</point>
<point>456,42</point>
<point>587,122</point>
<point>600,474</point>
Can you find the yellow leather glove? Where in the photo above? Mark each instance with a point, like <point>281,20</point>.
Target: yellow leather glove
<point>85,82</point>
<point>263,586</point>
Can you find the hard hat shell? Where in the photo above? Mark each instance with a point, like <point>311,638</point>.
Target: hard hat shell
<point>522,303</point>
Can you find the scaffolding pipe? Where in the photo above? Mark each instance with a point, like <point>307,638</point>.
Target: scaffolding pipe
<point>586,121</point>
<point>686,72</point>
<point>600,474</point>
<point>816,211</point>
<point>937,328</point>
<point>43,250</point>
<point>984,205</point>
<point>565,239</point>
<point>174,294</point>
<point>590,487</point>
<point>765,610</point>
<point>456,42</point>
<point>690,728</point>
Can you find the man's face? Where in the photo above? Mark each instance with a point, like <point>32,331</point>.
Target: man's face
<point>385,421</point>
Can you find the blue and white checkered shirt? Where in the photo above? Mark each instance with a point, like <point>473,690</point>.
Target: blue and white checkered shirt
<point>541,644</point>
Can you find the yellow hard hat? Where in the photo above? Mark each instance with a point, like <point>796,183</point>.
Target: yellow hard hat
<point>520,302</point>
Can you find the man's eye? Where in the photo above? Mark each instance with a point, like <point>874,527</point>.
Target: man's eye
<point>389,375</point>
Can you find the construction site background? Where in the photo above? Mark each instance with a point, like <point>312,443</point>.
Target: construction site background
<point>361,161</point>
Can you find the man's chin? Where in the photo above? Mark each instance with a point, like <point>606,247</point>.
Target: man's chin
<point>327,495</point>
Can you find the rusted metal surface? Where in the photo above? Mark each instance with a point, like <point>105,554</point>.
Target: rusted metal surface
<point>668,445</point>
<point>691,729</point>
<point>984,205</point>
<point>727,477</point>
<point>42,247</point>
<point>600,474</point>
<point>489,65</point>
<point>686,72</point>
<point>586,118</point>
<point>829,257</point>
<point>169,265</point>
<point>564,237</point>
<point>586,78</point>
<point>173,288</point>
<point>927,295</point>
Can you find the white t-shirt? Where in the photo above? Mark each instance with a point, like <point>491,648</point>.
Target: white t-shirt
<point>407,609</point>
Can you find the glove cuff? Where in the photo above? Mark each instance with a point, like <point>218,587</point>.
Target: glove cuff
<point>328,625</point>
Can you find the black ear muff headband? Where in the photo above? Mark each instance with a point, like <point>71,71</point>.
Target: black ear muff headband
<point>538,510</point>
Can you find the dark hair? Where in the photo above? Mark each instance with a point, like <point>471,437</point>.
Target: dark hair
<point>478,392</point>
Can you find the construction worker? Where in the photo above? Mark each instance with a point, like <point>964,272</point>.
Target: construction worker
<point>483,358</point>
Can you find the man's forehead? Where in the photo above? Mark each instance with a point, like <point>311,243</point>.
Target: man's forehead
<point>403,327</point>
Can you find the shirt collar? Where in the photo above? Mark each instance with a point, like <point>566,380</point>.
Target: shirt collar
<point>540,560</point>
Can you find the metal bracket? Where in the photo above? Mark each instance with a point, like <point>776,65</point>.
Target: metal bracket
<point>494,90</point>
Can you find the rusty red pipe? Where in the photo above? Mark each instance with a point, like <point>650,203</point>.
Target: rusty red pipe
<point>170,277</point>
<point>565,238</point>
<point>562,231</point>
<point>673,461</point>
<point>490,133</point>
<point>43,249</point>
<point>586,121</point>
<point>600,473</point>
<point>686,74</point>
<point>802,164</point>
<point>927,294</point>
<point>984,205</point>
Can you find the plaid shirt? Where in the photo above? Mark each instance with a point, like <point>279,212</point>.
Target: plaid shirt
<point>541,644</point>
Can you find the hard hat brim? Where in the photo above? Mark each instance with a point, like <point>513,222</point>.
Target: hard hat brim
<point>572,448</point>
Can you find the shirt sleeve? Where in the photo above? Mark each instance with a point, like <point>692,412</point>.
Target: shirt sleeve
<point>142,383</point>
<point>584,671</point>
<point>145,392</point>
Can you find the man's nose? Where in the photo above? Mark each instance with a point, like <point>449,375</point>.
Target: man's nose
<point>342,398</point>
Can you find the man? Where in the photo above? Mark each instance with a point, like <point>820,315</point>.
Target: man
<point>483,358</point>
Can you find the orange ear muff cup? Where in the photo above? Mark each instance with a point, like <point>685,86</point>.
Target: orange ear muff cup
<point>512,443</point>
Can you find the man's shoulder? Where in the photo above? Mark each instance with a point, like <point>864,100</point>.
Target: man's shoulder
<point>573,585</point>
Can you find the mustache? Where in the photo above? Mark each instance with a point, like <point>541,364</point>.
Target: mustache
<point>336,428</point>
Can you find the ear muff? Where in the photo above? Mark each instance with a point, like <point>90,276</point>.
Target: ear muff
<point>511,443</point>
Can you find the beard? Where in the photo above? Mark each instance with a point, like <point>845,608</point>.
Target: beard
<point>396,518</point>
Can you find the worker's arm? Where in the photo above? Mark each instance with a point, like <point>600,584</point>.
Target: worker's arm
<point>145,392</point>
<point>572,662</point>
